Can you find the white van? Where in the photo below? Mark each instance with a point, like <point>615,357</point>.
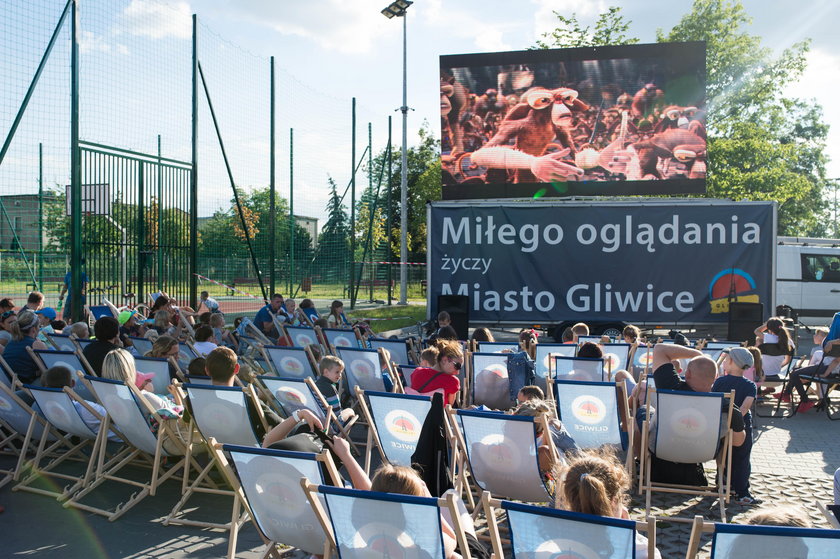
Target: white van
<point>808,278</point>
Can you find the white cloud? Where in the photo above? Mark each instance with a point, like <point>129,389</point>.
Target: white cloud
<point>545,20</point>
<point>156,19</point>
<point>450,21</point>
<point>89,42</point>
<point>820,80</point>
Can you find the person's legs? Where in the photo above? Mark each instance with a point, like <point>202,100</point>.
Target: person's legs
<point>741,467</point>
<point>795,382</point>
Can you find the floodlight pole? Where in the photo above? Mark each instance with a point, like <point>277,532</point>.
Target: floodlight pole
<point>404,177</point>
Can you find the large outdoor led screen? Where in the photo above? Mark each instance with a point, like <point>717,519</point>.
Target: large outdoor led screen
<point>612,120</point>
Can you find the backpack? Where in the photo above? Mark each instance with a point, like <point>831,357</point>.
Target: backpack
<point>521,372</point>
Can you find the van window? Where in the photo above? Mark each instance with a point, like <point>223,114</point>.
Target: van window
<point>821,267</point>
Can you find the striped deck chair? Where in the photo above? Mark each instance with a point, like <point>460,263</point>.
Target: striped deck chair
<point>373,524</point>
<point>548,532</point>
<point>739,541</point>
<point>395,421</point>
<point>129,412</point>
<point>269,482</point>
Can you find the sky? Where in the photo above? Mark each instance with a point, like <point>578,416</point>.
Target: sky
<point>136,77</point>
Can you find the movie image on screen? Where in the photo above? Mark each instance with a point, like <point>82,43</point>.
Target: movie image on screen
<point>617,120</point>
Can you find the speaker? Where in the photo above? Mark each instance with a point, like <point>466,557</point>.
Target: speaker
<point>458,307</point>
<point>744,318</point>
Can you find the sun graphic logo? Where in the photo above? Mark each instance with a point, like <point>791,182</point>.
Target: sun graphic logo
<point>291,395</point>
<point>343,341</point>
<point>283,497</point>
<point>612,362</point>
<point>117,409</point>
<point>731,285</point>
<point>499,453</point>
<point>303,340</point>
<point>564,549</point>
<point>589,409</point>
<point>57,412</point>
<point>688,423</point>
<point>291,365</point>
<point>403,425</point>
<point>361,368</point>
<point>379,540</point>
<point>644,357</point>
<point>496,369</point>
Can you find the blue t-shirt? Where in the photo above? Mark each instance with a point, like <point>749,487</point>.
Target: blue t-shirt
<point>68,280</point>
<point>263,317</point>
<point>20,361</point>
<point>744,388</point>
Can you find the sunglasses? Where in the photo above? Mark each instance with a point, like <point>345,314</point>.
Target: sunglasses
<point>6,315</point>
<point>457,366</point>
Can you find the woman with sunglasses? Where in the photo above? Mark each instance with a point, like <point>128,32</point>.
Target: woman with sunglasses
<point>6,318</point>
<point>24,332</point>
<point>444,374</point>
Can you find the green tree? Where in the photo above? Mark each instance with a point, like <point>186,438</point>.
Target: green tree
<point>609,29</point>
<point>334,240</point>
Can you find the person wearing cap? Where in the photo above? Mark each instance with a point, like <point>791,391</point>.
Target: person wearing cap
<point>45,318</point>
<point>129,327</point>
<point>24,332</point>
<point>738,360</point>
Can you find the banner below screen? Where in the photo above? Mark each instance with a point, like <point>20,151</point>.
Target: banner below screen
<point>544,262</point>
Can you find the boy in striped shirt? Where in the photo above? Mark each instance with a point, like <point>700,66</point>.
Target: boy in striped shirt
<point>331,369</point>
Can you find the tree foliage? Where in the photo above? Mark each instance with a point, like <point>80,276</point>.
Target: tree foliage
<point>610,29</point>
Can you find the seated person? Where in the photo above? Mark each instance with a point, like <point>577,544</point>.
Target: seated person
<point>530,392</point>
<point>197,367</point>
<point>699,376</point>
<point>444,374</point>
<point>205,342</point>
<point>264,319</point>
<point>776,346</point>
<point>107,333</point>
<point>563,441</point>
<point>59,377</point>
<point>308,308</point>
<point>24,333</point>
<point>221,366</point>
<point>166,347</point>
<point>828,366</point>
<point>222,335</point>
<point>119,365</point>
<point>337,318</point>
<point>330,369</point>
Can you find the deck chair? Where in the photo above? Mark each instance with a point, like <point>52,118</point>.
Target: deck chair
<point>642,361</point>
<point>73,360</point>
<point>157,366</point>
<point>501,452</point>
<point>219,413</point>
<point>99,311</point>
<point>406,371</point>
<point>142,345</point>
<point>300,336</point>
<point>24,428</point>
<point>722,344</point>
<point>269,482</point>
<point>336,338</point>
<point>616,357</point>
<point>544,360</point>
<point>291,394</point>
<point>498,347</point>
<point>592,411</point>
<point>586,369</point>
<point>739,541</point>
<point>593,339</point>
<point>61,342</point>
<point>690,428</point>
<point>373,524</point>
<point>361,367</point>
<point>290,362</point>
<point>185,354</point>
<point>489,382</point>
<point>779,408</point>
<point>82,344</point>
<point>58,407</point>
<point>397,348</point>
<point>394,421</point>
<point>549,532</point>
<point>129,411</point>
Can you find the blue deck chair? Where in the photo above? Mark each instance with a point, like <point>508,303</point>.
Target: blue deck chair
<point>373,524</point>
<point>185,354</point>
<point>722,345</point>
<point>397,348</point>
<point>689,428</point>
<point>202,380</point>
<point>594,339</point>
<point>548,532</point>
<point>580,369</point>
<point>220,414</point>
<point>739,541</point>
<point>501,451</point>
<point>129,412</point>
<point>301,336</point>
<point>616,357</point>
<point>407,371</point>
<point>544,361</point>
<point>291,394</point>
<point>157,366</point>
<point>58,407</point>
<point>489,382</point>
<point>24,429</point>
<point>142,345</point>
<point>498,347</point>
<point>361,367</point>
<point>61,342</point>
<point>82,343</point>
<point>99,311</point>
<point>289,362</point>
<point>395,422</point>
<point>337,338</point>
<point>590,411</point>
<point>269,481</point>
<point>73,360</point>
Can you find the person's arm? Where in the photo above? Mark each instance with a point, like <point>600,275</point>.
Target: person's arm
<point>285,427</point>
<point>739,434</point>
<point>747,404</point>
<point>358,477</point>
<point>665,353</point>
<point>39,345</point>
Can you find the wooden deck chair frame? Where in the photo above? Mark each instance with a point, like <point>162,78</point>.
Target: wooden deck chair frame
<point>303,318</point>
<point>829,515</point>
<point>36,357</point>
<point>203,484</point>
<point>332,422</point>
<point>293,343</point>
<point>384,343</point>
<point>57,344</point>
<point>491,506</point>
<point>310,359</point>
<point>723,459</point>
<point>133,454</point>
<point>373,437</point>
<point>445,503</point>
<point>465,482</point>
<point>623,411</point>
<point>229,471</point>
<point>699,527</point>
<point>85,450</point>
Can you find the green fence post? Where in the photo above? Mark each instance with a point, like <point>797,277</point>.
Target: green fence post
<point>40,217</point>
<point>352,292</point>
<point>75,171</point>
<point>272,243</point>
<point>292,221</point>
<point>388,235</point>
<point>193,268</point>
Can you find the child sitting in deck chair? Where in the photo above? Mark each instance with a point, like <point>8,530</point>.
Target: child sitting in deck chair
<point>330,369</point>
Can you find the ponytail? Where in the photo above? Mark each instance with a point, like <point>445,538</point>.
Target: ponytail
<point>592,496</point>
<point>21,327</point>
<point>777,327</point>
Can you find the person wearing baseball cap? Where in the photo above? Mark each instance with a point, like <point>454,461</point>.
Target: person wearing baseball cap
<point>129,327</point>
<point>45,318</point>
<point>737,360</point>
